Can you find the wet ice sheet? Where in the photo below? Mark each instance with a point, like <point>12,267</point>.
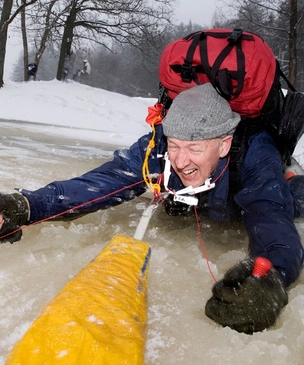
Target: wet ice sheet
<point>180,332</point>
<point>34,270</point>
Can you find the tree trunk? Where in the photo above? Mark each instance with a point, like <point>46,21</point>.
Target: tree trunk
<point>293,41</point>
<point>6,12</point>
<point>67,39</point>
<point>45,36</point>
<point>25,44</point>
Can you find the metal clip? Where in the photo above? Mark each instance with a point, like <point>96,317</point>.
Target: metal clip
<point>186,73</point>
<point>235,35</point>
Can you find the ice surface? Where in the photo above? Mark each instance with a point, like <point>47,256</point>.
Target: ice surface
<point>34,270</point>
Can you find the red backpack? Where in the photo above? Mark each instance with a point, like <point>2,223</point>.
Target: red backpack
<point>240,65</point>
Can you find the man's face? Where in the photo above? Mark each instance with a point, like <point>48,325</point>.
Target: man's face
<point>195,161</point>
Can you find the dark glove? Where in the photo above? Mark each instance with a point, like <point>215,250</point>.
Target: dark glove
<point>15,210</point>
<point>247,303</point>
<point>174,208</point>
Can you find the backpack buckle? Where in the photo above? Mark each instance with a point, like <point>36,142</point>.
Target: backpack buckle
<point>235,35</point>
<point>162,93</point>
<point>186,73</point>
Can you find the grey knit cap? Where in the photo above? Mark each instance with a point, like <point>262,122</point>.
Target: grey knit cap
<point>200,113</point>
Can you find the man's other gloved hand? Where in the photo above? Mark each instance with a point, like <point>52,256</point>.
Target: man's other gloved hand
<point>174,208</point>
<point>247,303</point>
<point>15,211</point>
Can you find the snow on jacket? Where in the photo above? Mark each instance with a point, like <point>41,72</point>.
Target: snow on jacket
<point>265,200</point>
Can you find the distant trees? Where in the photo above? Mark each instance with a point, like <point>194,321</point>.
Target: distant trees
<point>124,39</point>
<point>44,18</point>
<point>60,23</point>
<point>134,71</point>
<point>5,20</point>
<point>122,21</point>
<point>280,23</point>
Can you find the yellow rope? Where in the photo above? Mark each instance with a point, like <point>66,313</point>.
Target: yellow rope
<point>155,188</point>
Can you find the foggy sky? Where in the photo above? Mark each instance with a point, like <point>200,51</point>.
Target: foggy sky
<point>199,11</point>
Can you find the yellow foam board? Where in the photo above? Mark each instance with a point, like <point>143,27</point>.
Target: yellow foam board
<point>98,318</point>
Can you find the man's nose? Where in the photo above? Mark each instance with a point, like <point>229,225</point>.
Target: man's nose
<point>182,159</point>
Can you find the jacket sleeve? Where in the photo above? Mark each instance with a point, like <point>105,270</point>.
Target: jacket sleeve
<point>108,185</point>
<point>267,204</point>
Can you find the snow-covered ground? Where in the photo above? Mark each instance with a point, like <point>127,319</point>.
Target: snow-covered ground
<point>75,111</point>
<point>56,130</point>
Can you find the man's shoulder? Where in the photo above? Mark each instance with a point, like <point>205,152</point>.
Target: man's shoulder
<point>262,141</point>
<point>262,146</point>
<point>261,137</point>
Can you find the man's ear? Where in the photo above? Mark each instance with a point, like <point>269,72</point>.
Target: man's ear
<point>225,146</point>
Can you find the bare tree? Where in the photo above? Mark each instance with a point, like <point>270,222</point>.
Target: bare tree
<point>5,20</point>
<point>43,24</point>
<point>278,21</point>
<point>124,21</point>
<point>24,41</point>
<point>293,13</point>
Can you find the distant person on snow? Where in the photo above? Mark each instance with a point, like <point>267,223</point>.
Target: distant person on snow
<point>82,74</point>
<point>85,72</point>
<point>197,135</point>
<point>32,69</point>
<point>86,68</point>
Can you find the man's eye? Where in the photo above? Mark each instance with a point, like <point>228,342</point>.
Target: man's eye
<point>195,151</point>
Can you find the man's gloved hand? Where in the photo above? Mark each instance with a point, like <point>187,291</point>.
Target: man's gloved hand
<point>245,302</point>
<point>15,211</point>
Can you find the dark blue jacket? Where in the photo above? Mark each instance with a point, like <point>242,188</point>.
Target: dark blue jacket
<point>265,201</point>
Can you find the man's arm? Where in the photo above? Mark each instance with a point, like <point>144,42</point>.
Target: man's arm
<point>97,189</point>
<point>108,185</point>
<point>243,300</point>
<point>269,210</point>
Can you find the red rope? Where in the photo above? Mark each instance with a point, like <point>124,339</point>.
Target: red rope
<point>76,207</point>
<point>202,244</point>
<point>199,226</point>
<point>224,169</point>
